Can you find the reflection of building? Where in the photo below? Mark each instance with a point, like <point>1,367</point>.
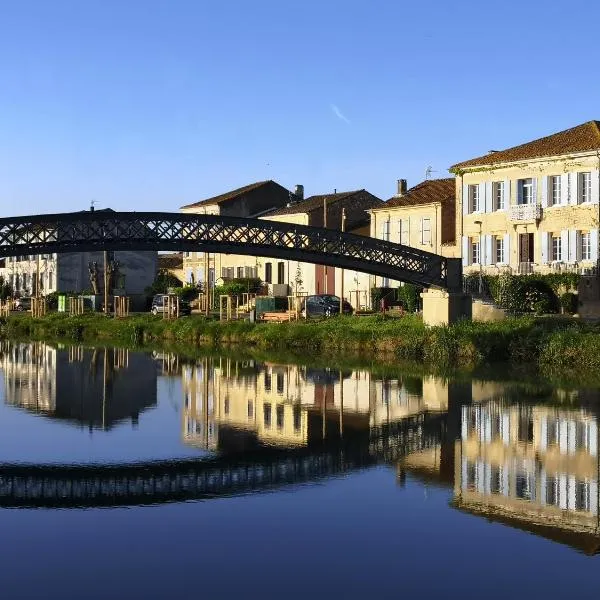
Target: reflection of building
<point>97,388</point>
<point>290,405</point>
<point>534,467</point>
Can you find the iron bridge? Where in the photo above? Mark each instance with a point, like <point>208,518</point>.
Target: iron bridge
<point>147,231</point>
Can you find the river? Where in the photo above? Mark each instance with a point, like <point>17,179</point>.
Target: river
<point>126,474</point>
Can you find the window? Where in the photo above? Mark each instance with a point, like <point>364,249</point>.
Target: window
<point>526,191</point>
<point>551,490</point>
<point>471,482</point>
<point>280,272</point>
<point>582,497</point>
<point>226,405</point>
<point>495,480</point>
<point>525,431</point>
<point>499,249</point>
<point>426,232</point>
<point>280,417</point>
<point>525,486</point>
<point>556,247</point>
<point>267,381</point>
<point>474,250</point>
<point>250,409</point>
<point>187,254</point>
<point>385,230</point>
<point>586,246</point>
<point>498,195</point>
<point>268,272</point>
<point>267,415</point>
<point>584,187</point>
<point>240,272</point>
<point>297,418</point>
<point>473,198</point>
<point>280,383</point>
<point>554,189</point>
<point>403,228</point>
<point>250,272</point>
<point>552,433</point>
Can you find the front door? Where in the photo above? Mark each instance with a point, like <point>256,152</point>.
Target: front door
<point>526,247</point>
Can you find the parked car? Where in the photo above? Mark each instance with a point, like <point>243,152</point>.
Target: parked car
<point>323,305</point>
<point>23,304</point>
<point>159,305</point>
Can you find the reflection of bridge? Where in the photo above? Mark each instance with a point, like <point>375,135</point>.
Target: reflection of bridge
<point>91,231</point>
<point>72,486</point>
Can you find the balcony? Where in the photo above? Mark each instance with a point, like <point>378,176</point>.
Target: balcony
<point>525,212</point>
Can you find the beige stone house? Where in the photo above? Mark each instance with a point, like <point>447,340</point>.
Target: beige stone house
<point>533,207</point>
<point>422,217</point>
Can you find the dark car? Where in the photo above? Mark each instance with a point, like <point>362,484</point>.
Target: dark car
<point>159,305</point>
<point>23,304</point>
<point>324,305</point>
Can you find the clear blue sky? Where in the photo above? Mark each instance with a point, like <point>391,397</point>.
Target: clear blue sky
<point>152,104</point>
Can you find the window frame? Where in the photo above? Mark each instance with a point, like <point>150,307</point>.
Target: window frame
<point>498,195</point>
<point>526,183</point>
<point>474,250</point>
<point>499,250</point>
<point>584,187</point>
<point>556,250</point>
<point>555,189</point>
<point>474,198</point>
<point>585,243</point>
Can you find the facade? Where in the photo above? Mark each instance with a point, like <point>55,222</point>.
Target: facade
<point>249,201</point>
<point>533,207</point>
<point>172,264</point>
<point>286,277</point>
<point>70,272</point>
<point>423,217</point>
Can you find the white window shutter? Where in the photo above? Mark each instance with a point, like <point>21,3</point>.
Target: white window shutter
<point>506,429</point>
<point>464,422</point>
<point>544,245</point>
<point>543,486</point>
<point>421,231</point>
<point>564,245</point>
<point>481,199</point>
<point>594,244</point>
<point>506,193</point>
<point>544,192</point>
<point>488,197</point>
<point>465,199</point>
<point>594,496</point>
<point>544,433</point>
<point>595,186</point>
<point>593,438</point>
<point>534,182</point>
<point>564,188</point>
<point>573,245</point>
<point>507,248</point>
<point>465,251</point>
<point>571,493</point>
<point>489,259</point>
<point>562,491</point>
<point>574,188</point>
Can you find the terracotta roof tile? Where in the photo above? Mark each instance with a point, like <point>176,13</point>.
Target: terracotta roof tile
<point>313,203</point>
<point>582,138</point>
<point>231,195</point>
<point>426,192</point>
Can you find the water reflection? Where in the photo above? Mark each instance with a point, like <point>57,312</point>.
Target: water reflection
<point>524,456</point>
<point>96,388</point>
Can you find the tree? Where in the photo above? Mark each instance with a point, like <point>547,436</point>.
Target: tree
<point>6,290</point>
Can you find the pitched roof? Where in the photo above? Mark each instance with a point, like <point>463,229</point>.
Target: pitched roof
<point>173,260</point>
<point>314,203</point>
<point>582,138</point>
<point>231,195</point>
<point>426,192</point>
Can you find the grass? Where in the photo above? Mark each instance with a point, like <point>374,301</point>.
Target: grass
<point>554,345</point>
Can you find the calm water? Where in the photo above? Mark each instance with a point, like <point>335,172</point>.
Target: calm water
<point>130,475</point>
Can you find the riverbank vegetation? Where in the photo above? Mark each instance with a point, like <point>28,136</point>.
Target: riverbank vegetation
<point>553,344</point>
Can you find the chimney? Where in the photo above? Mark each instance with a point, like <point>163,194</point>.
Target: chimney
<point>299,192</point>
<point>402,187</point>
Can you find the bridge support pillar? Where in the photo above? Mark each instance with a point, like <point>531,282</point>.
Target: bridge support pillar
<point>441,307</point>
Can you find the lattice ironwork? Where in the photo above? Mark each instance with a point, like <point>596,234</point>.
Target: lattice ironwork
<point>72,486</point>
<point>91,231</point>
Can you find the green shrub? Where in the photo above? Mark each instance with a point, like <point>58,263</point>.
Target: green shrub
<point>409,295</point>
<point>568,303</point>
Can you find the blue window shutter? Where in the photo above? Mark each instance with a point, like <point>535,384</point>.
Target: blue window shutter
<point>489,259</point>
<point>465,199</point>
<point>595,186</point>
<point>574,188</point>
<point>564,245</point>
<point>544,192</point>
<point>489,204</point>
<point>507,248</point>
<point>465,251</point>
<point>572,246</point>
<point>594,243</point>
<point>564,188</point>
<point>544,243</point>
<point>506,193</point>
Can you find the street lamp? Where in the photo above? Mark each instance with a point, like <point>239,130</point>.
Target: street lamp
<point>480,258</point>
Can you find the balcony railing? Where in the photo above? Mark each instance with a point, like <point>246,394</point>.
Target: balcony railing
<point>525,212</point>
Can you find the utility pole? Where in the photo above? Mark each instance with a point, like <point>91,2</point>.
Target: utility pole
<point>342,284</point>
<point>325,227</point>
<point>105,282</point>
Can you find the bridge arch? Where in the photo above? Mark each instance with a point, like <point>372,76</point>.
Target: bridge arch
<point>108,230</point>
